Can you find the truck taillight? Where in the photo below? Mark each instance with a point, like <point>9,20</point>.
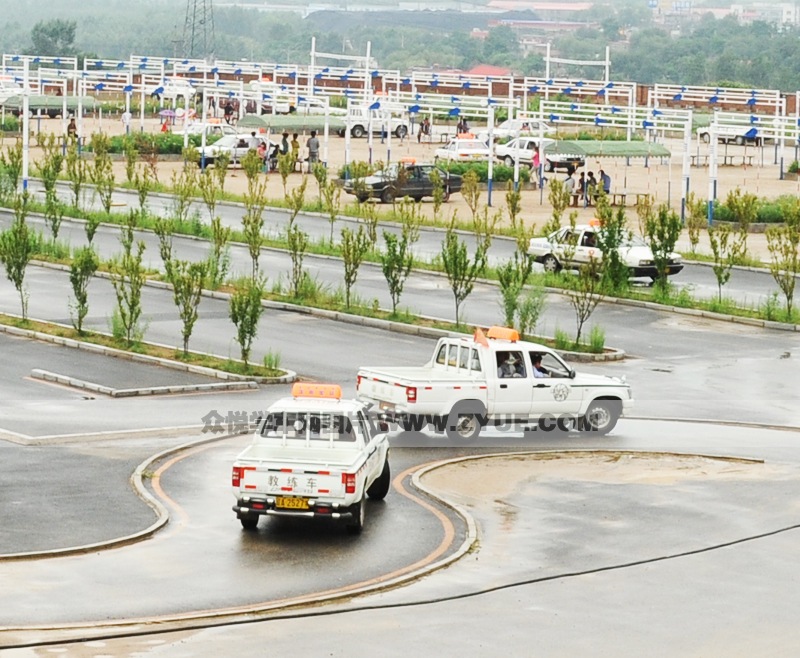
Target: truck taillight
<point>238,474</point>
<point>349,482</point>
<point>358,382</point>
<point>411,393</point>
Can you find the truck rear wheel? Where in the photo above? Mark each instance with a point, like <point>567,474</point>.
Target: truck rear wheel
<point>601,416</point>
<point>355,526</point>
<point>249,521</point>
<point>464,422</point>
<point>380,487</point>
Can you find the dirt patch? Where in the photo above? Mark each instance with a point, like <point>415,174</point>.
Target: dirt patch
<point>497,477</point>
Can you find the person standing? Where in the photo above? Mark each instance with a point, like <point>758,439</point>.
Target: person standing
<point>126,120</point>
<point>569,182</point>
<point>72,130</point>
<point>605,182</point>
<point>284,143</point>
<point>295,147</point>
<point>591,188</point>
<point>582,187</point>
<point>313,148</point>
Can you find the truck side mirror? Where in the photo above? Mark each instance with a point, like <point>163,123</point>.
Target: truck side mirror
<point>572,374</point>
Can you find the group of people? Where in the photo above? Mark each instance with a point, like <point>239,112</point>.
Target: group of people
<point>462,127</point>
<point>270,156</point>
<point>588,187</point>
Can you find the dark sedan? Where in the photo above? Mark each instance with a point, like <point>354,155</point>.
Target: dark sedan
<point>403,180</point>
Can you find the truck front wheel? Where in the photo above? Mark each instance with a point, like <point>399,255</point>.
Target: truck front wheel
<point>355,526</point>
<point>380,487</point>
<point>601,416</point>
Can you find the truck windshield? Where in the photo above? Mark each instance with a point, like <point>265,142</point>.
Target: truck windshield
<point>310,426</point>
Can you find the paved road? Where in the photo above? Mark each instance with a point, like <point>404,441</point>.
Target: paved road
<point>683,367</point>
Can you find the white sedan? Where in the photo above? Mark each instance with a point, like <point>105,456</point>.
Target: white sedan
<point>568,248</point>
<point>464,150</point>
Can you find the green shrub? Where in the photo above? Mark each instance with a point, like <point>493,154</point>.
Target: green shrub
<point>11,124</point>
<point>794,167</point>
<point>165,143</point>
<point>500,173</point>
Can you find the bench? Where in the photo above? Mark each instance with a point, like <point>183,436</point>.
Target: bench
<point>730,160</point>
<point>618,198</point>
<point>723,160</point>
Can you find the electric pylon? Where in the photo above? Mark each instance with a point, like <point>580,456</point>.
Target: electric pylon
<point>198,30</point>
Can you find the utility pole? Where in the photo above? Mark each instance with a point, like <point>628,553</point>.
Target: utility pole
<point>198,30</point>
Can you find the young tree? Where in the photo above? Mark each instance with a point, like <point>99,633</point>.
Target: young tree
<point>49,168</point>
<point>612,235</point>
<point>16,249</point>
<point>354,246</point>
<point>255,201</point>
<point>744,210</point>
<point>725,251</point>
<point>297,240</point>
<point>164,228</point>
<point>320,173</point>
<point>183,189</point>
<point>245,311</point>
<point>77,172</point>
<point>221,163</point>
<point>696,219</point>
<point>331,200</point>
<point>559,197</point>
<point>530,309</point>
<point>461,270</point>
<point>143,183</point>
<point>397,259</point>
<point>128,278</point>
<point>471,192</point>
<point>209,190</point>
<point>131,157</point>
<point>663,228</point>
<point>783,242</point>
<point>585,294</point>
<point>81,270</point>
<point>252,165</point>
<point>102,171</point>
<point>187,280</point>
<point>11,162</point>
<point>285,167</point>
<point>219,257</point>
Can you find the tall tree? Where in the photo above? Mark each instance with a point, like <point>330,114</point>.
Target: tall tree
<point>54,38</point>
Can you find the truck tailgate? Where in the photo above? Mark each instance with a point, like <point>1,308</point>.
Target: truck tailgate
<point>295,471</point>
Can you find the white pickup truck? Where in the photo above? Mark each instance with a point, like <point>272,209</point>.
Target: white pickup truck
<point>494,379</point>
<point>314,456</point>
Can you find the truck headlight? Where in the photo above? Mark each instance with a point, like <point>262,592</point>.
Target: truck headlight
<point>645,263</point>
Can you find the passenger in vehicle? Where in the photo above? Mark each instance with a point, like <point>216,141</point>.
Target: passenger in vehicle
<point>510,367</point>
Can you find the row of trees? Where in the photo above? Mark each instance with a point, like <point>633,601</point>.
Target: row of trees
<point>521,304</point>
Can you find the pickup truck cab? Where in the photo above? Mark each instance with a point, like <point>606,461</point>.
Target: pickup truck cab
<point>314,456</point>
<point>468,383</point>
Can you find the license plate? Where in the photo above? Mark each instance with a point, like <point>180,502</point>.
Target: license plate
<point>291,503</point>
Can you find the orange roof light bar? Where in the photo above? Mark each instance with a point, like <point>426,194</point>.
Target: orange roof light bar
<point>503,333</point>
<point>323,391</point>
